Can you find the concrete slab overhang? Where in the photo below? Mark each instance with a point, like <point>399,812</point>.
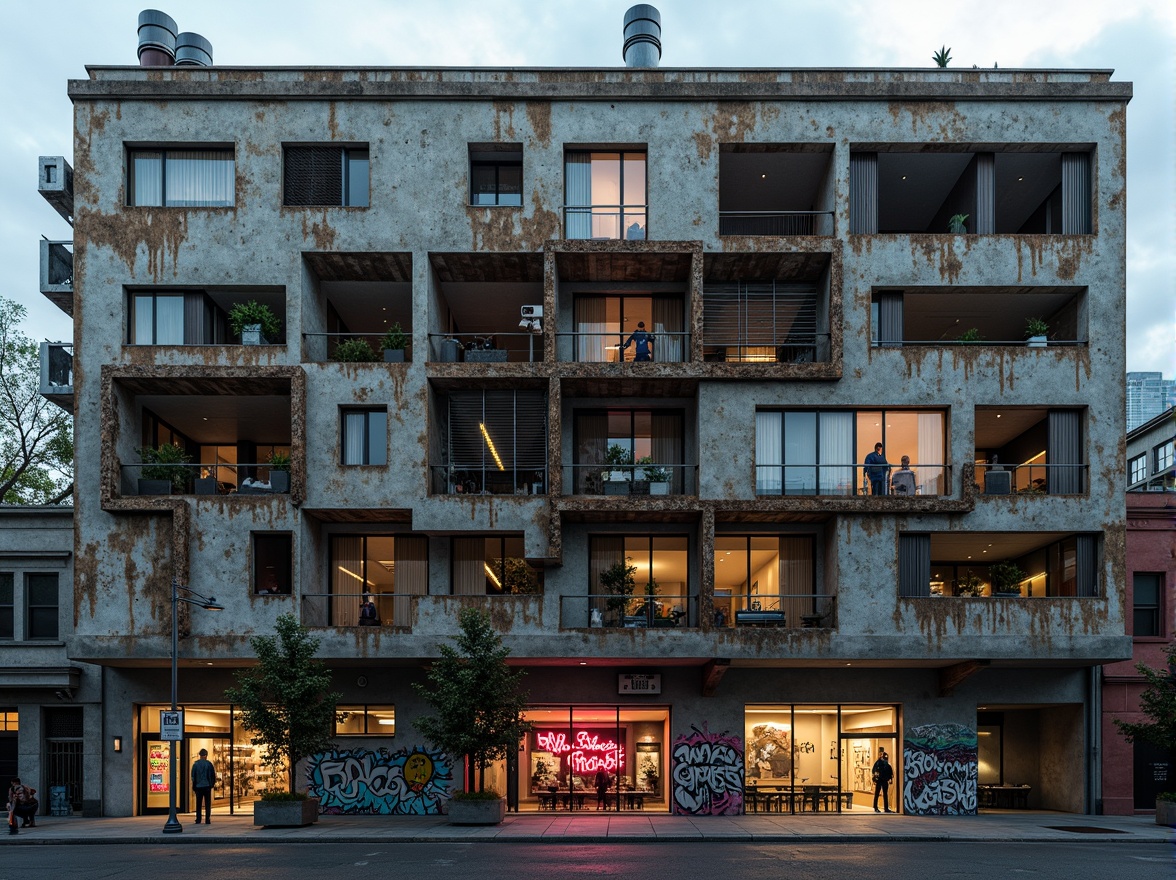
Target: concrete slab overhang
<point>61,678</point>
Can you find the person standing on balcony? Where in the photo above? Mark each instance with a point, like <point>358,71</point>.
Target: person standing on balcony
<point>643,341</point>
<point>878,470</point>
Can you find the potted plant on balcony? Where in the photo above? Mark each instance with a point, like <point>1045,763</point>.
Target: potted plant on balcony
<point>958,224</point>
<point>659,480</point>
<point>1006,578</point>
<point>972,334</point>
<point>279,475</point>
<point>394,342</point>
<point>254,322</point>
<point>969,585</point>
<point>285,701</point>
<point>618,583</point>
<point>1036,333</point>
<point>164,469</point>
<point>354,351</point>
<point>479,713</point>
<point>618,471</point>
<point>1157,702</point>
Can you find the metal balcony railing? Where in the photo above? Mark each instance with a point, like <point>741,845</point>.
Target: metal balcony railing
<point>1032,479</point>
<point>57,373</point>
<point>321,347</point>
<point>788,610</point>
<point>57,259</point>
<point>605,222</point>
<point>669,347</point>
<point>852,479</point>
<point>660,611</point>
<point>482,479</point>
<point>638,480</point>
<point>239,478</point>
<point>486,348</point>
<point>775,223</point>
<point>343,609</point>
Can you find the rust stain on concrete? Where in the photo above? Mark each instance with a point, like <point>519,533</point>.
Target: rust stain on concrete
<point>539,115</point>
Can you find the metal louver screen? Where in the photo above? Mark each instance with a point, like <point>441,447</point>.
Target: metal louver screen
<point>63,723</point>
<point>314,176</point>
<point>512,424</point>
<point>760,322</point>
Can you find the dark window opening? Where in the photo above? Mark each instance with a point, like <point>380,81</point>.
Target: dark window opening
<point>326,176</point>
<point>272,564</point>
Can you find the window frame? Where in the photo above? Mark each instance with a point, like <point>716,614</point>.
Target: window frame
<point>1153,610</point>
<point>366,412</point>
<point>1163,456</point>
<point>283,551</point>
<point>163,150</point>
<point>368,711</point>
<point>497,164</point>
<point>31,631</point>
<point>8,606</point>
<point>1137,469</point>
<point>589,210</point>
<point>348,159</point>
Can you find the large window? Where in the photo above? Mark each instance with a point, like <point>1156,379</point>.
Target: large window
<point>646,439</point>
<point>365,436</point>
<point>390,569</point>
<point>979,564</point>
<point>181,178</point>
<point>41,598</point>
<point>605,323</point>
<point>604,194</point>
<point>1147,591</point>
<point>496,174</point>
<point>363,720</point>
<point>811,452</point>
<point>492,566</point>
<point>659,566</point>
<point>767,579</point>
<point>326,176</point>
<point>272,563</point>
<point>497,442</point>
<point>157,319</point>
<point>764,322</point>
<point>7,606</point>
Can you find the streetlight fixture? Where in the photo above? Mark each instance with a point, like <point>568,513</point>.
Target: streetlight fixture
<point>208,603</point>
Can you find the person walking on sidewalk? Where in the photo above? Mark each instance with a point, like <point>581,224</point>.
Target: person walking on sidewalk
<point>203,779</point>
<point>883,773</point>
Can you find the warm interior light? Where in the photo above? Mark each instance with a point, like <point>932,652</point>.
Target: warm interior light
<point>350,573</point>
<point>490,574</point>
<point>388,722</point>
<point>490,446</point>
<point>118,743</point>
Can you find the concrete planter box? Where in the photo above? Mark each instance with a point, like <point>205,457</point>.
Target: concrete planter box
<point>482,356</point>
<point>1166,813</point>
<point>1038,341</point>
<point>280,481</point>
<point>616,487</point>
<point>659,488</point>
<point>466,812</point>
<point>393,355</point>
<point>155,487</point>
<point>285,814</point>
<point>251,335</point>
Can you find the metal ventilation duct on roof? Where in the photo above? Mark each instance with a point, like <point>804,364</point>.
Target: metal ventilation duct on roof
<point>642,36</point>
<point>193,49</point>
<point>157,39</point>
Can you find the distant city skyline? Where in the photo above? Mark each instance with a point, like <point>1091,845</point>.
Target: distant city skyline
<point>1148,395</point>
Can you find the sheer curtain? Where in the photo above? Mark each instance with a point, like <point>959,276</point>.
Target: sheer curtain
<point>353,435</point>
<point>607,551</point>
<point>796,566</point>
<point>578,194</point>
<point>768,453</point>
<point>929,476</point>
<point>837,475</point>
<point>666,448</point>
<point>469,561</point>
<point>667,330</point>
<point>199,178</point>
<point>347,584</point>
<point>592,443</point>
<point>411,555</point>
<point>169,320</point>
<point>591,324</point>
<point>147,178</point>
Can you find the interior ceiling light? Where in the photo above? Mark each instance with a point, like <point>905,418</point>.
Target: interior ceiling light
<point>904,177</point>
<point>350,573</point>
<point>763,177</point>
<point>490,446</point>
<point>490,574</point>
<point>388,564</point>
<point>998,415</point>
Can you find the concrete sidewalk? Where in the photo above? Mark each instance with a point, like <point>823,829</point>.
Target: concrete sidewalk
<point>862,826</point>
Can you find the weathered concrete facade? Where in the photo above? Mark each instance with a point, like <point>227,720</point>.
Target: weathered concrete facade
<point>420,246</point>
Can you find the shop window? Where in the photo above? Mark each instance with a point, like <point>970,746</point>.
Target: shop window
<point>363,720</point>
<point>181,178</point>
<point>328,176</point>
<point>365,436</point>
<point>1147,590</point>
<point>41,593</point>
<point>272,563</point>
<point>7,606</point>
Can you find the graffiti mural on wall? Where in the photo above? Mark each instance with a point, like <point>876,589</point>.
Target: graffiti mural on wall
<point>939,770</point>
<point>411,782</point>
<point>707,773</point>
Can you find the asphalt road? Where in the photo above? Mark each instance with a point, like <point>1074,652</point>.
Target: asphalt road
<point>640,861</point>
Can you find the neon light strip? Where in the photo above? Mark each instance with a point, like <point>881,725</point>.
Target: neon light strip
<point>490,444</point>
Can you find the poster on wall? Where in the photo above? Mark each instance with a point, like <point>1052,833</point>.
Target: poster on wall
<point>648,765</point>
<point>158,765</point>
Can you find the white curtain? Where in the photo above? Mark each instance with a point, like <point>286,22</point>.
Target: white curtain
<point>411,555</point>
<point>836,454</point>
<point>591,327</point>
<point>666,447</point>
<point>147,178</point>
<point>768,453</point>
<point>578,193</point>
<point>667,330</point>
<point>169,320</point>
<point>469,571</point>
<point>607,551</point>
<point>347,584</point>
<point>199,178</point>
<point>354,425</point>
<point>929,476</point>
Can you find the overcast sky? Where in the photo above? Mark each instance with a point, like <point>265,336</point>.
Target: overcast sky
<point>44,44</point>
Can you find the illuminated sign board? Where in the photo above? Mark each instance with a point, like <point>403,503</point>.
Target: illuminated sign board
<point>583,751</point>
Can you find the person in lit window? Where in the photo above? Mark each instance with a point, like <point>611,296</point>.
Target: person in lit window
<point>643,341</point>
<point>902,481</point>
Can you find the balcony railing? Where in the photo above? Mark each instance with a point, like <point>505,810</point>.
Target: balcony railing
<point>647,480</point>
<point>483,479</point>
<point>605,222</point>
<point>322,347</point>
<point>975,343</point>
<point>775,223</point>
<point>485,348</point>
<point>57,373</point>
<point>342,609</point>
<point>239,478</point>
<point>788,610</point>
<point>794,350</point>
<point>1032,479</point>
<point>852,480</point>
<point>57,258</point>
<point>672,347</point>
<point>628,612</point>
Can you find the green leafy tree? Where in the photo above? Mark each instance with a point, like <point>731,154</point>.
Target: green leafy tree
<point>286,700</point>
<point>1158,703</point>
<point>476,697</point>
<point>36,436</point>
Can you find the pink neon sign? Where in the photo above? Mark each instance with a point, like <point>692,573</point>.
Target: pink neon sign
<point>585,752</point>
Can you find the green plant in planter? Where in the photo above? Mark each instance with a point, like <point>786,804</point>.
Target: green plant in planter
<point>958,224</point>
<point>1036,327</point>
<point>657,474</point>
<point>618,582</point>
<point>1006,577</point>
<point>166,462</point>
<point>246,314</point>
<point>279,461</point>
<point>394,339</point>
<point>618,458</point>
<point>972,334</point>
<point>488,794</point>
<point>970,584</point>
<point>354,351</point>
<point>273,795</point>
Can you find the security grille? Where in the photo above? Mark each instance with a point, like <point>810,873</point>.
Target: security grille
<point>64,754</point>
<point>314,176</point>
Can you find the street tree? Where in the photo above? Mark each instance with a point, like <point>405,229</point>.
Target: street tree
<point>36,436</point>
<point>1158,704</point>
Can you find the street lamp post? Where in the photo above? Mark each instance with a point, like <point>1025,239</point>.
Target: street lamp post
<point>208,603</point>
